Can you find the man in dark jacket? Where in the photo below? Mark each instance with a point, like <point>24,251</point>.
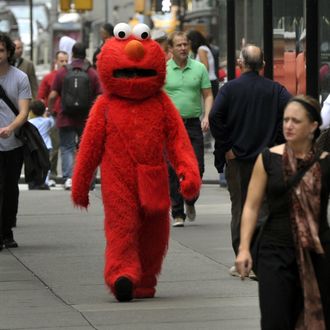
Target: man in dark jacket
<point>246,117</point>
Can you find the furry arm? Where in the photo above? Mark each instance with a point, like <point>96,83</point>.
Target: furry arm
<point>180,151</point>
<point>90,153</point>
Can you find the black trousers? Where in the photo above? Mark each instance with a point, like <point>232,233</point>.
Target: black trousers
<point>280,292</point>
<point>10,170</point>
<point>194,130</point>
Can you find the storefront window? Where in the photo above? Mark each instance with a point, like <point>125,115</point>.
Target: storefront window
<point>248,24</point>
<point>221,35</point>
<point>324,19</point>
<point>289,41</point>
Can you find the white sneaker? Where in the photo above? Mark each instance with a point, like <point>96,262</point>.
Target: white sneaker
<point>191,212</point>
<point>51,183</point>
<point>233,271</point>
<point>68,184</point>
<point>178,222</point>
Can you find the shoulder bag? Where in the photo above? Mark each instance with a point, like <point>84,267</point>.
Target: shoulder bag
<point>36,155</point>
<point>323,142</point>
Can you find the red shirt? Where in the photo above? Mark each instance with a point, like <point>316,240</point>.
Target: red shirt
<point>45,88</point>
<point>61,119</point>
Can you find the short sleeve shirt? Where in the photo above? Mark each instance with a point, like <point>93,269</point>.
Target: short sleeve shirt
<point>184,86</point>
<point>16,84</point>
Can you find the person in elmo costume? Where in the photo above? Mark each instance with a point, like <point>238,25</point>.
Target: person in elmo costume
<point>133,130</point>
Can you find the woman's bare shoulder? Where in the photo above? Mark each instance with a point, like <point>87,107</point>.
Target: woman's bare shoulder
<point>324,154</point>
<point>279,149</point>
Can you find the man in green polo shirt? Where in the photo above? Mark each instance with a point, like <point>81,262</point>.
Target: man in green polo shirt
<point>187,84</point>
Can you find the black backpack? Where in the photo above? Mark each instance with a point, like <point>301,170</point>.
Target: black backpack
<point>76,92</point>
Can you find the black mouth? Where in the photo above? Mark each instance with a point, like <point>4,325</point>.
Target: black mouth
<point>134,73</point>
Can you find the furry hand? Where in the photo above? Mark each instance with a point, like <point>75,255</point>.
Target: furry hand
<point>80,200</point>
<point>190,185</point>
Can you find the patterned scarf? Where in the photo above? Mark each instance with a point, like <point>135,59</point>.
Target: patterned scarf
<point>305,211</point>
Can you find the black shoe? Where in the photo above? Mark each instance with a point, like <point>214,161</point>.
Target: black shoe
<point>123,289</point>
<point>10,243</point>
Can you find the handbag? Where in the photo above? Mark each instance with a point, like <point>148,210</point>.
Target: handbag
<point>152,184</point>
<point>35,153</point>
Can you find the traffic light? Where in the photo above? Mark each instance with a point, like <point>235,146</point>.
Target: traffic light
<point>139,6</point>
<point>65,5</point>
<point>83,4</point>
<point>80,5</point>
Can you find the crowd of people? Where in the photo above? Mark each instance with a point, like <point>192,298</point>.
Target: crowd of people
<point>266,140</point>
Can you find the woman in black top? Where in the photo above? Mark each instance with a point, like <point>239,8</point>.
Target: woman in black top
<point>294,253</point>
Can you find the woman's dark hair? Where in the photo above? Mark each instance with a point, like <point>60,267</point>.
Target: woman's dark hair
<point>38,108</point>
<point>10,46</point>
<point>196,40</point>
<point>313,110</point>
<point>109,28</point>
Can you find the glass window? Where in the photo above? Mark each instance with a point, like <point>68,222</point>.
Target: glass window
<point>289,42</point>
<point>324,19</point>
<point>39,13</point>
<point>249,23</point>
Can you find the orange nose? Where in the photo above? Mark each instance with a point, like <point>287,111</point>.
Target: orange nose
<point>134,50</point>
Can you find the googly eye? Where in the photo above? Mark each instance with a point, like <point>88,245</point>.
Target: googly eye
<point>141,31</point>
<point>122,31</point>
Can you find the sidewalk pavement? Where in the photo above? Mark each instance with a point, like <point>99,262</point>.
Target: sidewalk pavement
<point>54,280</point>
<point>211,175</point>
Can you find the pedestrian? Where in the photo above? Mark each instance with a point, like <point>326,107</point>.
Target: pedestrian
<point>187,83</point>
<point>215,52</point>
<point>106,32</point>
<point>65,44</point>
<point>44,122</point>
<point>71,125</point>
<point>325,114</point>
<point>61,58</point>
<point>160,36</point>
<point>128,133</point>
<point>17,87</point>
<point>26,66</point>
<point>246,117</point>
<point>202,52</point>
<point>293,262</point>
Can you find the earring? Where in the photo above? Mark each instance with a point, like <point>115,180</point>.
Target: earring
<point>311,135</point>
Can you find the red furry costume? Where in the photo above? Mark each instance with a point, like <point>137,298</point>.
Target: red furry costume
<point>133,123</point>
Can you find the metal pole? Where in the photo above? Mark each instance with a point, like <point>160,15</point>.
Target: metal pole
<point>31,29</point>
<point>106,5</point>
<point>312,48</point>
<point>268,38</point>
<point>231,39</point>
<point>53,20</point>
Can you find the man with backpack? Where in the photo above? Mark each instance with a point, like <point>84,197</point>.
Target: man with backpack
<point>78,85</point>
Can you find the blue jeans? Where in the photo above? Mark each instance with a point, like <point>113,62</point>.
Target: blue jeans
<point>69,141</point>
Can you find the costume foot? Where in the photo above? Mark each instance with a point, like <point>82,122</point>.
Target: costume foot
<point>123,289</point>
<point>141,293</point>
